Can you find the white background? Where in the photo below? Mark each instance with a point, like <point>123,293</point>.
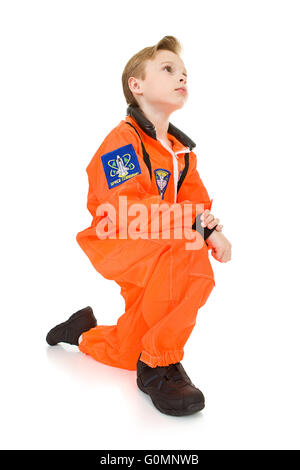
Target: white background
<point>61,93</point>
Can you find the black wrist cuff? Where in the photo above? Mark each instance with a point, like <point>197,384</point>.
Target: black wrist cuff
<point>204,231</point>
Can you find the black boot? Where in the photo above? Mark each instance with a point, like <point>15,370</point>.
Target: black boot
<point>170,389</point>
<point>70,330</point>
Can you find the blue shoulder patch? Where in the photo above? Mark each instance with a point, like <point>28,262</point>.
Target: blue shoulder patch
<point>120,165</point>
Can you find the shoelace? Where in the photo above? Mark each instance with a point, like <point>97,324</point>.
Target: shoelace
<point>171,369</point>
<point>170,373</point>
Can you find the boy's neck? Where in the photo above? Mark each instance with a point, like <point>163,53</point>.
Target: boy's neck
<point>159,119</point>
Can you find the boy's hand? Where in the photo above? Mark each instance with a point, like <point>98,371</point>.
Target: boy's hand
<point>220,246</point>
<point>209,221</point>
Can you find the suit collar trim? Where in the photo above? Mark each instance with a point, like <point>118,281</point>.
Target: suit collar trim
<point>149,128</point>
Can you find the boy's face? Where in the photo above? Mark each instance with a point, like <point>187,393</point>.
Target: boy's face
<point>164,75</point>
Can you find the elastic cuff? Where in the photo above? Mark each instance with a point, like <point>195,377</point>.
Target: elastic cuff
<point>167,358</point>
<point>204,231</point>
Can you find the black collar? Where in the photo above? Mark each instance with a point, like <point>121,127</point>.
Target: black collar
<point>149,128</point>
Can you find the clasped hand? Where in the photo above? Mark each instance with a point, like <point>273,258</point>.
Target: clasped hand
<point>217,242</point>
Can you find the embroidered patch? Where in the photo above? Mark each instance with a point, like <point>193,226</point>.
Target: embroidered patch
<point>162,178</point>
<point>120,165</point>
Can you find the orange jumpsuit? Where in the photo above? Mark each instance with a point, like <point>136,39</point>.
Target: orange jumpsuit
<point>163,284</point>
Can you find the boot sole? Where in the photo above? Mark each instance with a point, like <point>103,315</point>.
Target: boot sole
<point>191,409</point>
<point>58,329</point>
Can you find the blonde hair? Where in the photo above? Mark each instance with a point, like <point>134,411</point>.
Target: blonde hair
<point>135,67</point>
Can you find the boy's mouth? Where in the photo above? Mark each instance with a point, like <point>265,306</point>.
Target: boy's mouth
<point>182,90</point>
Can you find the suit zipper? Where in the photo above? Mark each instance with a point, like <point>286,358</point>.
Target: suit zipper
<point>175,165</point>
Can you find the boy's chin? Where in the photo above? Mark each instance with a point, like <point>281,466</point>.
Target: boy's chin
<point>179,106</point>
<point>170,106</point>
<point>174,106</point>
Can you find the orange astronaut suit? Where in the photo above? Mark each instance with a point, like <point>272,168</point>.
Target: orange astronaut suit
<point>163,283</point>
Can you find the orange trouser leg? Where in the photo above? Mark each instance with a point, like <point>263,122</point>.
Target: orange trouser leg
<point>119,345</point>
<point>163,286</point>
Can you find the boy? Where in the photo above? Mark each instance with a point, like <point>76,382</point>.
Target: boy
<point>148,163</point>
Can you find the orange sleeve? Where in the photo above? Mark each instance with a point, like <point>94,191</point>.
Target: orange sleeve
<point>192,187</point>
<point>137,188</point>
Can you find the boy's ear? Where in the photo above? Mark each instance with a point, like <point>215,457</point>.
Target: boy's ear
<point>134,85</point>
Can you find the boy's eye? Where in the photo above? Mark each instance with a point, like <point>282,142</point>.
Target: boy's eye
<point>170,68</point>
